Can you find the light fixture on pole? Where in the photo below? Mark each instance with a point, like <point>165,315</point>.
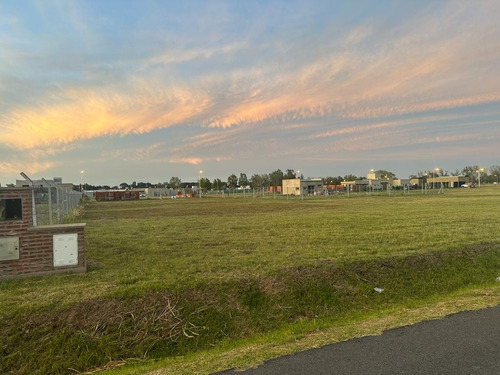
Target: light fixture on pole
<point>479,176</point>
<point>300,184</point>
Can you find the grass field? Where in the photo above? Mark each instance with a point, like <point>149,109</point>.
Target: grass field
<point>170,278</point>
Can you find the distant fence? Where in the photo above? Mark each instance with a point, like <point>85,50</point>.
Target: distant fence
<point>52,201</point>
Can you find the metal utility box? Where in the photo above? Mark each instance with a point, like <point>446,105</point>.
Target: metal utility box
<point>65,249</point>
<point>9,248</point>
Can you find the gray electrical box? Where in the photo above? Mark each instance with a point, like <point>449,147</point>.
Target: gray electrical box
<point>65,249</point>
<point>9,248</point>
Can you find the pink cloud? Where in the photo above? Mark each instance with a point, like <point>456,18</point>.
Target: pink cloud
<point>30,167</point>
<point>224,158</point>
<point>194,161</point>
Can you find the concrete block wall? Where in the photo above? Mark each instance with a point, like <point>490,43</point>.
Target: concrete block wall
<point>36,255</point>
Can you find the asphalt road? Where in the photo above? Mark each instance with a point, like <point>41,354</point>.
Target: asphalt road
<point>464,343</point>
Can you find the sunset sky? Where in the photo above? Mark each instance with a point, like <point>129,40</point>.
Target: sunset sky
<point>146,90</point>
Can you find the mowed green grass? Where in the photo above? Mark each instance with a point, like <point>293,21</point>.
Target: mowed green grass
<point>179,243</point>
<point>236,267</point>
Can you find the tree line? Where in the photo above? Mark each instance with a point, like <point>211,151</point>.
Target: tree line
<point>474,172</point>
<point>275,178</point>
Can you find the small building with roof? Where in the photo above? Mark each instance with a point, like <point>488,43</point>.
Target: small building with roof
<point>300,186</point>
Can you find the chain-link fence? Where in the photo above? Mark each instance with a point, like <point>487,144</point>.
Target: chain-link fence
<point>53,200</point>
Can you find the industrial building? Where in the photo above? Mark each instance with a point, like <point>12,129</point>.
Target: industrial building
<point>376,181</point>
<point>299,186</point>
<point>437,182</point>
<point>116,195</point>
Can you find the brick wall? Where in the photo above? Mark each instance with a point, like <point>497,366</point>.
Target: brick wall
<point>35,243</point>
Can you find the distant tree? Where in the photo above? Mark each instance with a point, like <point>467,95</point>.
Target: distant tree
<point>255,181</point>
<point>133,185</point>
<point>386,174</point>
<point>350,177</point>
<point>124,185</point>
<point>469,170</point>
<point>438,172</point>
<point>96,187</point>
<point>218,184</point>
<point>232,181</point>
<point>494,173</point>
<point>175,183</point>
<point>472,172</point>
<point>290,173</point>
<point>266,180</point>
<point>205,184</point>
<point>276,178</point>
<point>333,180</point>
<point>243,180</point>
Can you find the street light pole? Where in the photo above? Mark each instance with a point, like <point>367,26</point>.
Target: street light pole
<point>479,176</point>
<point>441,185</point>
<point>300,184</point>
<point>199,183</point>
<point>424,183</point>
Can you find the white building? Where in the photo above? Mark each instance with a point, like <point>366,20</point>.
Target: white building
<point>299,186</point>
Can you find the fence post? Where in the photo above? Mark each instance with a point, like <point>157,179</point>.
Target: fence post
<point>50,201</point>
<point>32,196</point>
<point>58,206</point>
